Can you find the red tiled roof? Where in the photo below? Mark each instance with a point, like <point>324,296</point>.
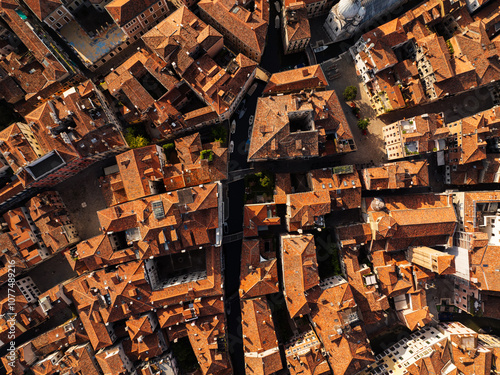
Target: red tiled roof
<point>397,175</point>
<point>344,188</point>
<point>43,8</point>
<point>176,45</point>
<point>356,234</point>
<point>305,357</point>
<point>273,136</point>
<point>238,22</point>
<point>17,148</point>
<point>300,272</point>
<point>306,78</point>
<point>111,362</point>
<point>130,294</point>
<point>331,305</point>
<point>303,209</point>
<point>258,275</point>
<point>140,168</point>
<point>297,26</point>
<point>423,220</point>
<point>48,212</point>
<point>203,334</point>
<point>123,11</point>
<point>262,355</point>
<point>258,215</point>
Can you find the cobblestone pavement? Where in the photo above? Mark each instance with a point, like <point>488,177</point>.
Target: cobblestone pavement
<point>371,146</point>
<point>84,188</point>
<point>51,272</point>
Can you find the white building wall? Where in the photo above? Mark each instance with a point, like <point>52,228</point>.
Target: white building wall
<point>28,288</point>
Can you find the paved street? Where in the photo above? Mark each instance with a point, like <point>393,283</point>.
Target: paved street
<point>439,288</point>
<point>371,146</point>
<point>232,251</point>
<point>84,188</point>
<point>51,272</point>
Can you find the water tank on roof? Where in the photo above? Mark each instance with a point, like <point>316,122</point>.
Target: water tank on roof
<point>348,8</point>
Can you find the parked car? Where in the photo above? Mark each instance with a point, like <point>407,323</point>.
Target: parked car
<point>250,132</point>
<point>233,126</point>
<point>250,120</point>
<point>231,147</point>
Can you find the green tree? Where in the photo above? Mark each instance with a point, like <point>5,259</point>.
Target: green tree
<point>168,147</point>
<point>265,181</point>
<point>207,154</point>
<point>219,133</point>
<point>136,141</point>
<point>350,93</point>
<point>363,123</point>
<point>136,136</point>
<point>334,251</point>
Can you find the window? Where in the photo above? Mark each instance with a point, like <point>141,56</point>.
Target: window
<point>151,10</point>
<point>58,25</point>
<point>52,18</point>
<point>146,22</point>
<point>143,15</point>
<point>59,12</point>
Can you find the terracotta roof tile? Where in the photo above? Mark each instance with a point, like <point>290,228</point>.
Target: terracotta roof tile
<point>146,347</point>
<point>300,271</point>
<point>204,334</point>
<point>305,209</point>
<point>296,23</point>
<point>397,175</point>
<point>177,314</point>
<point>352,235</point>
<point>344,186</point>
<point>262,355</point>
<point>332,308</point>
<point>259,271</point>
<point>113,360</point>
<point>123,11</point>
<point>306,78</point>
<point>49,214</point>
<point>43,8</point>
<point>274,134</point>
<point>367,295</point>
<point>406,220</point>
<point>176,45</point>
<point>234,20</point>
<point>50,68</point>
<point>305,356</point>
<point>259,215</point>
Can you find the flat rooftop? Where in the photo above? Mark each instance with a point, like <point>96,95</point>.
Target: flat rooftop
<point>45,164</point>
<point>90,49</point>
<point>396,359</point>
